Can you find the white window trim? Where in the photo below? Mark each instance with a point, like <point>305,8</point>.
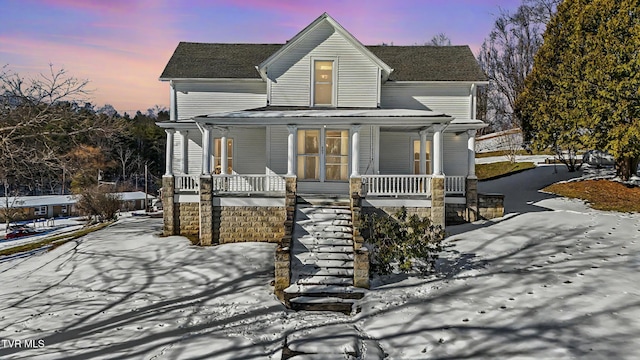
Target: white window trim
<point>334,89</point>
<point>323,154</point>
<point>215,156</point>
<point>40,210</point>
<point>430,148</point>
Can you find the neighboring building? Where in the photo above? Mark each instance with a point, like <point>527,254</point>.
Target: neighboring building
<point>53,206</point>
<point>319,116</point>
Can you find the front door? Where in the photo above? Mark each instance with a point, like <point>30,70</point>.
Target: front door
<point>323,155</point>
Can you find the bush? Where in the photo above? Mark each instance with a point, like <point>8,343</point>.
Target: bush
<point>98,203</point>
<point>402,243</point>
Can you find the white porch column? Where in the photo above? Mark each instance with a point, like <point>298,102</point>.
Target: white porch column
<point>355,150</point>
<point>224,158</point>
<point>291,149</point>
<point>173,111</point>
<point>206,150</point>
<point>169,159</point>
<point>423,152</point>
<point>437,149</point>
<point>184,162</point>
<point>471,153</point>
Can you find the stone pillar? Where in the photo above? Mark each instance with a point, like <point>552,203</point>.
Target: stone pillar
<point>184,162</point>
<point>291,150</point>
<point>282,271</point>
<point>437,200</point>
<point>423,152</point>
<point>206,210</point>
<point>437,149</point>
<point>361,268</point>
<point>290,207</point>
<point>355,195</point>
<point>355,150</point>
<point>224,158</point>
<point>471,153</point>
<point>168,205</point>
<point>206,149</point>
<point>472,198</point>
<point>169,151</point>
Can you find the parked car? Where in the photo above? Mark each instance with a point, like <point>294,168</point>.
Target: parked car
<point>19,232</point>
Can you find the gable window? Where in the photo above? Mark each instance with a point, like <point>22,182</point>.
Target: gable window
<point>416,157</point>
<point>217,143</point>
<point>323,81</point>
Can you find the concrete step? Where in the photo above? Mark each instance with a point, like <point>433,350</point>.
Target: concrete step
<point>311,241</point>
<point>337,304</point>
<point>308,270</point>
<point>324,235</point>
<point>314,227</point>
<point>323,222</point>
<point>324,210</point>
<point>327,263</point>
<point>343,292</point>
<point>322,257</point>
<point>323,280</point>
<point>300,248</point>
<point>322,216</point>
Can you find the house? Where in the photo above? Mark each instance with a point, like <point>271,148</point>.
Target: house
<point>53,206</point>
<point>257,129</point>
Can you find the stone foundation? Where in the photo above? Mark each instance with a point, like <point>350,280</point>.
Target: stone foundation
<point>472,199</point>
<point>456,214</point>
<point>168,188</point>
<point>282,271</point>
<point>490,206</point>
<point>248,223</point>
<point>187,219</point>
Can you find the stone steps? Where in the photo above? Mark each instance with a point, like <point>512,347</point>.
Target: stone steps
<point>322,260</point>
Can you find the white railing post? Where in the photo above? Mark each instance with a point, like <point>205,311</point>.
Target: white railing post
<point>437,149</point>
<point>355,150</point>
<point>224,159</point>
<point>206,149</point>
<point>471,153</point>
<point>291,149</point>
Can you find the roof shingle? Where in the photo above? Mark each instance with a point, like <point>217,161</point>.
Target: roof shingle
<point>410,63</point>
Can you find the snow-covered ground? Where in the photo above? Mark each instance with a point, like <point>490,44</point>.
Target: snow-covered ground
<point>552,279</point>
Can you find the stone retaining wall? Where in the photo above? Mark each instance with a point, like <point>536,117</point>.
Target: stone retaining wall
<point>187,219</point>
<point>490,206</point>
<point>248,223</point>
<point>456,214</point>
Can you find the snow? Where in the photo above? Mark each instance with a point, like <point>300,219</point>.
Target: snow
<point>552,279</point>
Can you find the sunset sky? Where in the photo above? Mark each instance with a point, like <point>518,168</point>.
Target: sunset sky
<point>122,46</point>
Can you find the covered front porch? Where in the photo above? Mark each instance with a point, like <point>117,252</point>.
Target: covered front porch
<point>247,161</point>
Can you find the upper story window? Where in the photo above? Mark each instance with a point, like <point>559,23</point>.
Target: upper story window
<point>323,83</point>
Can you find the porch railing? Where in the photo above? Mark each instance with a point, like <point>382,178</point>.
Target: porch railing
<point>187,183</point>
<point>455,185</point>
<point>249,183</point>
<point>394,185</point>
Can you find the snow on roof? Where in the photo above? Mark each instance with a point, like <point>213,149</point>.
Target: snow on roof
<point>51,200</point>
<point>326,113</point>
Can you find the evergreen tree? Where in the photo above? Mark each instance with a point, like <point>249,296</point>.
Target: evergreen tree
<point>583,89</point>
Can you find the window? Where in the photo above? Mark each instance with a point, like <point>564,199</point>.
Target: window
<point>323,83</point>
<point>217,143</point>
<point>40,210</point>
<point>337,156</point>
<point>309,154</point>
<point>416,157</point>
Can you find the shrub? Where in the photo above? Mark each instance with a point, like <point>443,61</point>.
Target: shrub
<point>402,243</point>
<point>98,203</point>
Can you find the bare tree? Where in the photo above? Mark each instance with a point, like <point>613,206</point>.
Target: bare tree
<point>440,40</point>
<point>507,55</point>
<point>41,118</point>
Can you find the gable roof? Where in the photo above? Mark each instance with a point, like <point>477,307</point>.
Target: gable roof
<point>386,69</point>
<point>238,61</point>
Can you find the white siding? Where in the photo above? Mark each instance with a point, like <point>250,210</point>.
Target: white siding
<point>195,151</point>
<point>395,153</point>
<point>455,154</point>
<point>278,150</point>
<point>202,98</point>
<point>356,79</point>
<point>248,150</point>
<point>367,160</point>
<point>451,99</point>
